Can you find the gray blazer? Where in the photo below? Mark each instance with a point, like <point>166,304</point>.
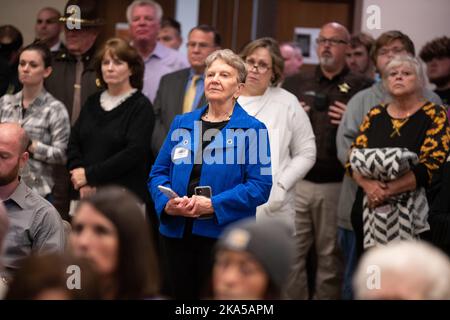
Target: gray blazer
<point>168,104</point>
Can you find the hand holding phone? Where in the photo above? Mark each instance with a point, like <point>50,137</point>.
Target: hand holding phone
<point>169,193</point>
<point>204,191</point>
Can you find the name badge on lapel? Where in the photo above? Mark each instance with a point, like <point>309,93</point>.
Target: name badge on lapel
<point>180,153</point>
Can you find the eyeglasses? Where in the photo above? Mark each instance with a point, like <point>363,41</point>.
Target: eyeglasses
<point>332,41</point>
<point>261,67</point>
<point>48,21</point>
<point>394,51</point>
<point>201,45</point>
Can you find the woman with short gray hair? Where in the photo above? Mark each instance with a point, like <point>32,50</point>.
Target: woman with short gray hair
<point>215,159</point>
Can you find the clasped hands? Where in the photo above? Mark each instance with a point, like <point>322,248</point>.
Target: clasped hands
<point>377,192</point>
<point>192,207</point>
<point>79,181</point>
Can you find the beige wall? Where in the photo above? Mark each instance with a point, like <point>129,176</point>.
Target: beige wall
<point>22,14</point>
<point>421,20</point>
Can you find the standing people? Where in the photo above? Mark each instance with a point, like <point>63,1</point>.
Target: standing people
<point>73,78</point>
<point>358,55</point>
<point>293,58</point>
<point>44,118</point>
<point>394,206</point>
<point>11,41</point>
<point>48,28</point>
<point>144,18</point>
<point>436,55</point>
<point>183,91</point>
<point>325,94</point>
<point>110,142</point>
<point>292,143</point>
<point>386,47</point>
<point>170,33</point>
<point>224,150</point>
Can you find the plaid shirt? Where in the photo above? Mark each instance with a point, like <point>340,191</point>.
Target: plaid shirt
<point>46,122</point>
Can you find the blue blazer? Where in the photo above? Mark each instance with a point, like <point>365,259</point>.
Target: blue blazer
<point>236,165</point>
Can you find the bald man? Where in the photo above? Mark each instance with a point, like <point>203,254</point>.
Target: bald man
<point>324,93</point>
<point>293,58</point>
<point>35,225</point>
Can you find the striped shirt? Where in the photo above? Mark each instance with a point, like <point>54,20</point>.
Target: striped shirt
<point>46,122</point>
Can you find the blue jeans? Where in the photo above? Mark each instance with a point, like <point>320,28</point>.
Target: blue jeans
<point>346,240</point>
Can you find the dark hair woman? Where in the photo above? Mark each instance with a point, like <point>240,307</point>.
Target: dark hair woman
<point>109,229</point>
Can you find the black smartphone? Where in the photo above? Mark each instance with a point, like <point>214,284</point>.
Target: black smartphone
<point>203,191</point>
<point>206,192</point>
<point>321,102</point>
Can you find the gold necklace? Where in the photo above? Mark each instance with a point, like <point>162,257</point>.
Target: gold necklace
<point>226,113</point>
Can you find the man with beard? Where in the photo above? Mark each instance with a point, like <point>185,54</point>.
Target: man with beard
<point>436,55</point>
<point>35,225</point>
<point>324,93</point>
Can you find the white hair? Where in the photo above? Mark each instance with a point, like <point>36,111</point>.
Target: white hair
<point>407,261</point>
<point>155,5</point>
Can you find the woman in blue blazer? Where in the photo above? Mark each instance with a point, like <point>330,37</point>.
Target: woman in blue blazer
<point>218,146</point>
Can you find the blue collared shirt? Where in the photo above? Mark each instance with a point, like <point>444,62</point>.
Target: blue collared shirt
<point>199,90</point>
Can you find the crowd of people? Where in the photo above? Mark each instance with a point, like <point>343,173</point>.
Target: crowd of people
<point>221,174</point>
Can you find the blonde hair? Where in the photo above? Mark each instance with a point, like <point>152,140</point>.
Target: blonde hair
<point>401,60</point>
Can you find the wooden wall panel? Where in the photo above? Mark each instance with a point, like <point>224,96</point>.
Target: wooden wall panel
<point>235,29</point>
<point>275,18</point>
<point>206,13</point>
<point>244,26</point>
<point>310,14</point>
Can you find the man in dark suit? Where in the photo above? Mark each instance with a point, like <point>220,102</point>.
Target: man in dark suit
<point>183,91</point>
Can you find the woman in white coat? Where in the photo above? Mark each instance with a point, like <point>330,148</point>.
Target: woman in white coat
<point>292,142</point>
